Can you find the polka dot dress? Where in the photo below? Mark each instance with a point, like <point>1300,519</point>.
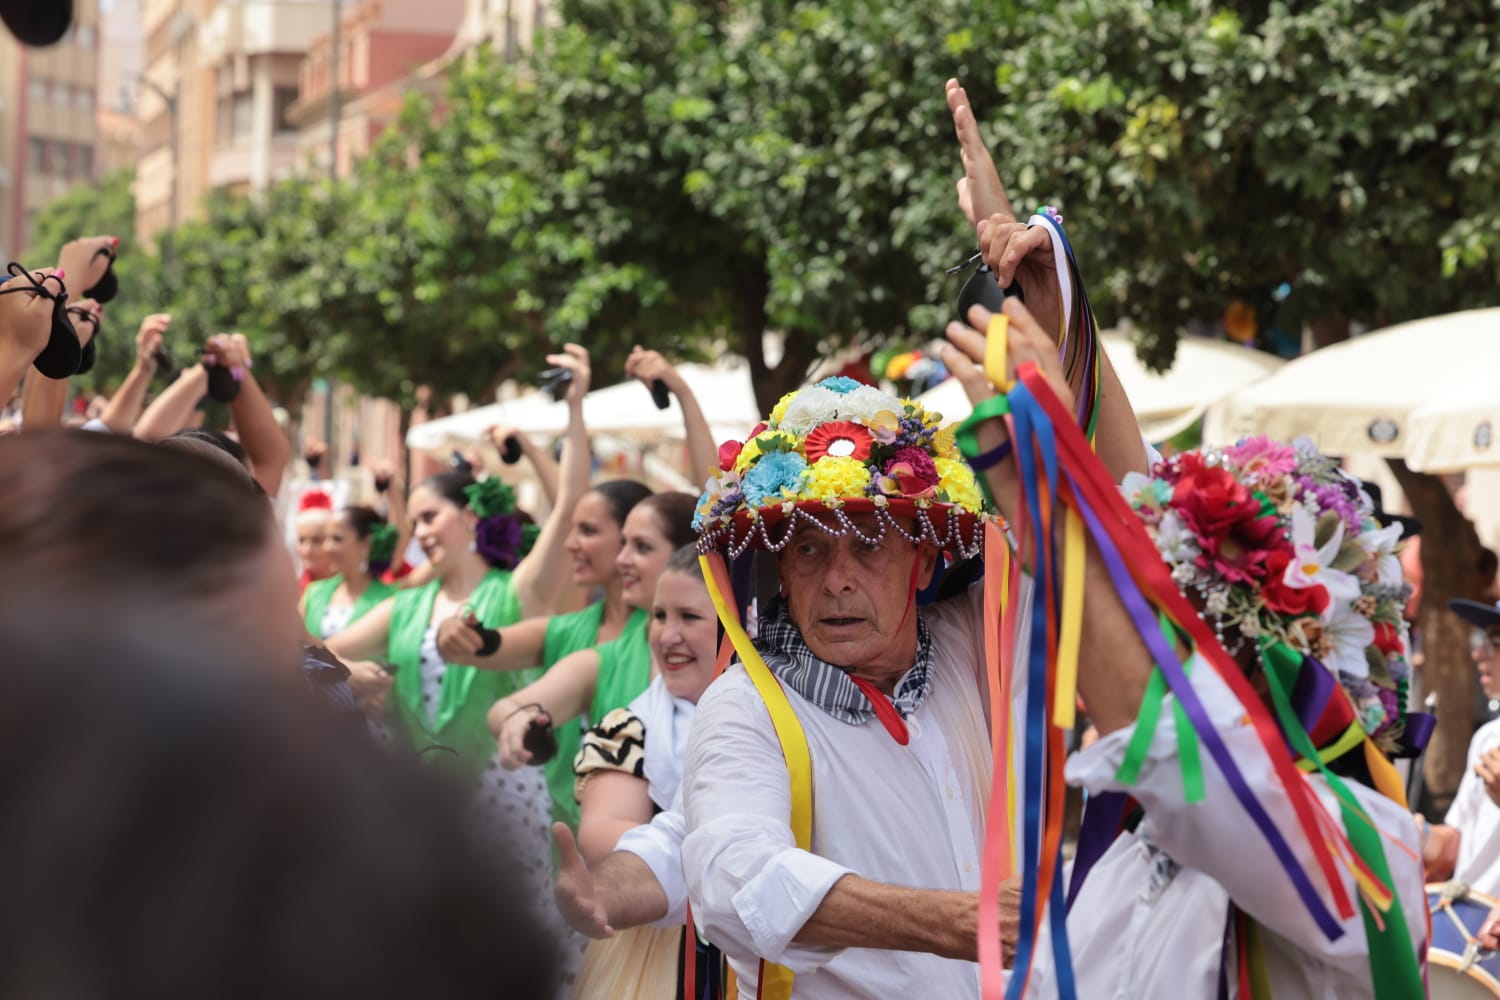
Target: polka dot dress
<point>512,817</point>
<point>335,619</point>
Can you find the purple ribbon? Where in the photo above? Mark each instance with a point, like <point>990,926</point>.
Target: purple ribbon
<point>1419,729</point>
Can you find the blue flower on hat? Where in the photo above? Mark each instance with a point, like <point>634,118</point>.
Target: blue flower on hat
<point>774,472</point>
<point>841,384</point>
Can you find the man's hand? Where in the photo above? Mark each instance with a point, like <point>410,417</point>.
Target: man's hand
<point>1489,931</point>
<point>1010,918</point>
<point>1488,770</point>
<point>1012,251</point>
<point>1026,341</point>
<point>458,638</point>
<point>574,888</point>
<point>84,263</point>
<point>980,193</point>
<point>148,340</point>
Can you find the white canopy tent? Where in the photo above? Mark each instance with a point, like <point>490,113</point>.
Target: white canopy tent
<point>1457,431</point>
<point>1359,396</point>
<point>1204,372</point>
<point>626,410</point>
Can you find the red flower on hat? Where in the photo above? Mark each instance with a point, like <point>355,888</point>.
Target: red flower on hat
<point>315,500</point>
<point>728,452</point>
<point>839,438</point>
<point>1388,639</point>
<point>1236,537</point>
<point>1286,599</point>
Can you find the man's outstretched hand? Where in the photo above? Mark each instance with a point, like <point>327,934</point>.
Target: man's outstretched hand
<point>574,888</point>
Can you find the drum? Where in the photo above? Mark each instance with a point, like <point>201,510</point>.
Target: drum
<point>1457,969</point>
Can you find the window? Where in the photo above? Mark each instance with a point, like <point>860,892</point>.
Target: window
<point>282,99</point>
<point>36,89</point>
<point>62,160</point>
<point>83,162</point>
<point>86,36</point>
<point>36,159</point>
<point>242,115</point>
<point>85,99</point>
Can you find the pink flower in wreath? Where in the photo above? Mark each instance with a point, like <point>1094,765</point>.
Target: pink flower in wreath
<point>909,473</point>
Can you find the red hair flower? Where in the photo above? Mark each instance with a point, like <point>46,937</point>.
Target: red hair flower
<point>840,439</point>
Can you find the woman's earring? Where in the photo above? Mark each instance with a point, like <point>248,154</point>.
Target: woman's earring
<point>473,541</point>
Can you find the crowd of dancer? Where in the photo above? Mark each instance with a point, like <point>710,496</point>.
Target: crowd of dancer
<point>664,745</point>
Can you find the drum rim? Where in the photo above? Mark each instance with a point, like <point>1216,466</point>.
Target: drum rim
<point>1448,960</point>
<point>1436,888</point>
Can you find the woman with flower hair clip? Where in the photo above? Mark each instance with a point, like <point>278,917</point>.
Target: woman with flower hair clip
<point>491,565</point>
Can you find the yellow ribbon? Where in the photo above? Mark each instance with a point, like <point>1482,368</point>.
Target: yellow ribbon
<point>1070,635</point>
<point>996,342</point>
<point>775,980</point>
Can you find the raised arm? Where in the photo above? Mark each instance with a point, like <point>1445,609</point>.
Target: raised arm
<point>703,455</point>
<point>129,400</point>
<point>170,411</point>
<point>25,324</point>
<point>1017,253</point>
<point>256,424</point>
<point>541,459</point>
<point>538,584</point>
<point>43,399</point>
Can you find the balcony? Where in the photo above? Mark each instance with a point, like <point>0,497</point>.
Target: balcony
<point>261,27</point>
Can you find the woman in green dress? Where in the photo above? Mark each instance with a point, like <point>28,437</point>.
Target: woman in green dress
<point>592,682</point>
<point>476,544</point>
<point>360,544</point>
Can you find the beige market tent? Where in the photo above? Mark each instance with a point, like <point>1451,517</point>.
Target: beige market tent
<point>1359,396</point>
<point>1458,430</point>
<point>1166,403</point>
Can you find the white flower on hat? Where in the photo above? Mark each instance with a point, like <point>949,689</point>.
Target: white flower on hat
<point>1348,634</point>
<point>1381,546</point>
<point>809,408</point>
<point>864,403</point>
<point>1313,564</point>
<point>1174,541</point>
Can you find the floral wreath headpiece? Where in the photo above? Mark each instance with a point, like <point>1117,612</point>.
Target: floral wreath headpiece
<point>502,536</point>
<point>844,448</point>
<point>1282,550</point>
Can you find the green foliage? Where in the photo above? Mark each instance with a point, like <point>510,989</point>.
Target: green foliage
<point>686,174</point>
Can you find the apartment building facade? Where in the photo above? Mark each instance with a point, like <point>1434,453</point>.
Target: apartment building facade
<point>48,133</point>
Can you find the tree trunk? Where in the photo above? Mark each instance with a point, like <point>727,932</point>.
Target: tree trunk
<point>1329,328</point>
<point>1450,550</point>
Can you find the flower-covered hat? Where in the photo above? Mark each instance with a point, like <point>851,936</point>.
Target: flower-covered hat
<point>1282,547</point>
<point>843,447</point>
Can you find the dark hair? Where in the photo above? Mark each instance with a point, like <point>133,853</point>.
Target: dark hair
<point>81,512</point>
<point>219,440</point>
<point>674,515</point>
<point>362,519</point>
<point>182,794</point>
<point>450,486</point>
<point>621,496</point>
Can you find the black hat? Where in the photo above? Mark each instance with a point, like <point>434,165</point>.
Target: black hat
<point>1476,613</point>
<point>1410,526</point>
<point>37,22</point>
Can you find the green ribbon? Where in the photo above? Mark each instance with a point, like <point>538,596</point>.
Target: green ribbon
<point>1188,755</point>
<point>967,436</point>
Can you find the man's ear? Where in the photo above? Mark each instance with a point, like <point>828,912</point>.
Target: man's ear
<point>927,560</point>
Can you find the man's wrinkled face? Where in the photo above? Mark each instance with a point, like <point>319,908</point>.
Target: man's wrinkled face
<point>852,599</point>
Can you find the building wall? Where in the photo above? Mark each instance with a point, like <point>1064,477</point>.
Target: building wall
<point>47,128</point>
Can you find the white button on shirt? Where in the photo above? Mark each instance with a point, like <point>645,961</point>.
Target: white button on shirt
<point>880,810</point>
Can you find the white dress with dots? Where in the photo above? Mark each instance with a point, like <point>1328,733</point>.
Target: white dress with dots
<point>512,817</point>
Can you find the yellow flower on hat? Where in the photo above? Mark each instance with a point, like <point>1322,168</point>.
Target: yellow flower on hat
<point>956,479</point>
<point>944,444</point>
<point>779,410</point>
<point>836,478</point>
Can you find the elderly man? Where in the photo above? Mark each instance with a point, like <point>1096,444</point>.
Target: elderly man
<point>837,780</point>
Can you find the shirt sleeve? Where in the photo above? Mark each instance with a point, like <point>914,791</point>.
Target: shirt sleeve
<point>1217,837</point>
<point>659,844</point>
<point>752,889</point>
